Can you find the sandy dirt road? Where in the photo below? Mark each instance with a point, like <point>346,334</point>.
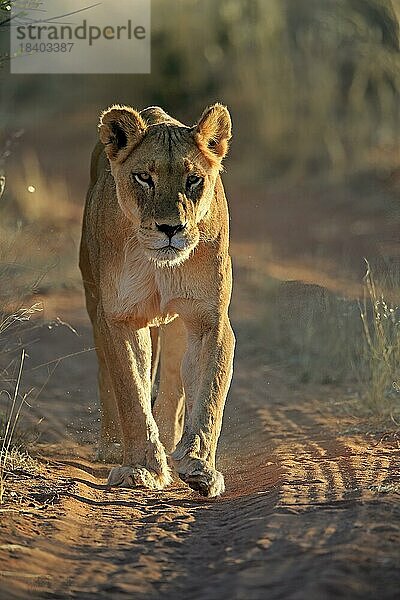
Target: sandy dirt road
<point>304,516</point>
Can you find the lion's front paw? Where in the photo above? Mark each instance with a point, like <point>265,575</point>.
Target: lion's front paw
<point>138,476</point>
<point>207,481</point>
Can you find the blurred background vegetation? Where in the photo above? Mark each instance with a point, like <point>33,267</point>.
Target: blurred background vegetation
<point>313,85</point>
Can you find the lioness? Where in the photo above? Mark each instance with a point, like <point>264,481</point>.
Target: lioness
<point>154,253</point>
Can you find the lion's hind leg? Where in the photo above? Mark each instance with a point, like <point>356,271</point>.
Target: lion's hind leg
<point>109,447</point>
<point>169,407</point>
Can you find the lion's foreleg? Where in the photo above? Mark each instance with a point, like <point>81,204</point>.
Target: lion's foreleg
<point>206,372</point>
<point>128,357</point>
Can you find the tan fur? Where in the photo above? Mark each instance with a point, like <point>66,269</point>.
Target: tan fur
<point>138,275</point>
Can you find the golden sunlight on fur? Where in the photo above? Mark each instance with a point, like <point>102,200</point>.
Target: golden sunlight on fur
<point>154,254</point>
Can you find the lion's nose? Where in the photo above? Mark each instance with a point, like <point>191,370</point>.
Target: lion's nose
<point>170,230</point>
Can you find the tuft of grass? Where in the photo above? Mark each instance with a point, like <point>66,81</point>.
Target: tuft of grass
<point>12,455</point>
<point>10,426</point>
<point>321,337</point>
<point>381,325</point>
<point>19,459</point>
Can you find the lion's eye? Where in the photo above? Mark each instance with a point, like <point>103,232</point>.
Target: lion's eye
<point>193,181</point>
<point>143,179</point>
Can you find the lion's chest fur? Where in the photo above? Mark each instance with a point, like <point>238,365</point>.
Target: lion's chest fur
<point>145,293</point>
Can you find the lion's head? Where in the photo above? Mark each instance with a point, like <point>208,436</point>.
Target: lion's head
<point>165,173</point>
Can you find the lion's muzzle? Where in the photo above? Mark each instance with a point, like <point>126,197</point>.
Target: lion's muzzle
<point>168,244</point>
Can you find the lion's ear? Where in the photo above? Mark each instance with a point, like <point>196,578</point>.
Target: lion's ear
<point>213,131</point>
<point>121,128</point>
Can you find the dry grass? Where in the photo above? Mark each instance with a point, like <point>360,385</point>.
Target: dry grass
<point>39,232</point>
<point>38,248</point>
<point>10,426</point>
<point>318,336</point>
<point>12,455</point>
<point>381,325</point>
